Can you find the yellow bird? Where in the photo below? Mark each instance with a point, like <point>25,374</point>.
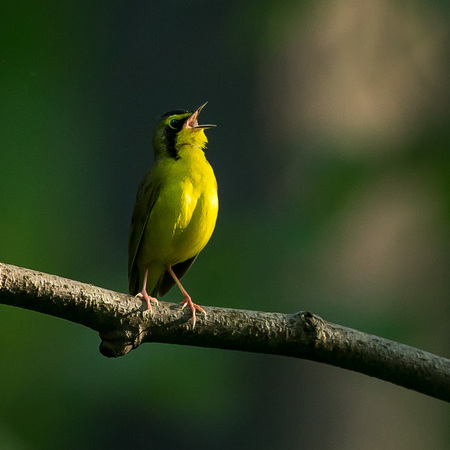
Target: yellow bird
<point>175,211</point>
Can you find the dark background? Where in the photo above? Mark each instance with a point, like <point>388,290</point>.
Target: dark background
<point>332,157</point>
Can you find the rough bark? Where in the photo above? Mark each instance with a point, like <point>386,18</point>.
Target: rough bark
<point>124,324</point>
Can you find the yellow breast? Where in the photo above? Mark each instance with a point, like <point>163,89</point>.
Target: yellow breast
<point>184,215</point>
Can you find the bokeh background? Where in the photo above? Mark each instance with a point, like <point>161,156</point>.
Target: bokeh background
<point>332,157</point>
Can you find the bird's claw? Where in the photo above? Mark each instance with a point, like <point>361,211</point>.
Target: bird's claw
<point>187,301</point>
<point>148,298</point>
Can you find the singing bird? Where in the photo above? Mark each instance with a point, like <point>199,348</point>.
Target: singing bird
<point>175,211</point>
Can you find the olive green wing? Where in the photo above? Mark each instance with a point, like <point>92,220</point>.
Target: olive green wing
<point>146,197</point>
<point>166,281</point>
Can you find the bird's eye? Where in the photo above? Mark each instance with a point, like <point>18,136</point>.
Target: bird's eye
<point>174,124</point>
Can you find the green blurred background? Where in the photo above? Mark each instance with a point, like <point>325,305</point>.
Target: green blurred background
<point>332,157</point>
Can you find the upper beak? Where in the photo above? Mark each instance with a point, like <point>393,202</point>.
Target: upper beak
<point>192,121</point>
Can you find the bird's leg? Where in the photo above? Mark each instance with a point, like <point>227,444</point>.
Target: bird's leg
<point>148,298</point>
<point>187,298</point>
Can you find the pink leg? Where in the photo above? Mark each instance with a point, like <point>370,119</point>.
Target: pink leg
<point>148,298</point>
<point>187,299</point>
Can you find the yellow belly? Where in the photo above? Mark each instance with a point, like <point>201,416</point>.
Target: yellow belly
<point>182,219</point>
<point>180,225</point>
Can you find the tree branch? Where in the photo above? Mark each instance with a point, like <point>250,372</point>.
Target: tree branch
<point>123,325</point>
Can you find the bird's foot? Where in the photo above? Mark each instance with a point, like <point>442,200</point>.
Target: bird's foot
<point>187,301</point>
<point>148,298</point>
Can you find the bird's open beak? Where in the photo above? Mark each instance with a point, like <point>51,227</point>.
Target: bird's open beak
<point>192,121</point>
